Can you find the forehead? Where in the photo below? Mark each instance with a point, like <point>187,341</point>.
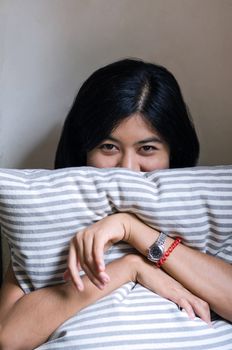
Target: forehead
<point>134,124</point>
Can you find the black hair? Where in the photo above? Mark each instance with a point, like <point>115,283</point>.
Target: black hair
<point>117,91</point>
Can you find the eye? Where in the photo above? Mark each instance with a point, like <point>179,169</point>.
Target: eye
<point>147,149</point>
<point>108,147</point>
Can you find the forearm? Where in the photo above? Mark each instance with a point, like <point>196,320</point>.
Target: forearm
<point>208,277</point>
<point>32,320</point>
<point>10,293</point>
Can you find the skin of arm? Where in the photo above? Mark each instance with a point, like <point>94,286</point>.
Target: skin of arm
<point>207,277</point>
<point>26,333</point>
<point>10,293</point>
<point>31,321</point>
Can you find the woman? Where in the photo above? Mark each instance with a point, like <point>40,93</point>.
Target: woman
<point>128,114</point>
<point>115,92</point>
<point>132,114</point>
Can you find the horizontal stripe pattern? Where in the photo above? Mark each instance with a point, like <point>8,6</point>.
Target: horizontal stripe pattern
<point>40,210</point>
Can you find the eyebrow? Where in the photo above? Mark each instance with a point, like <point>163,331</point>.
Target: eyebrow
<point>149,139</point>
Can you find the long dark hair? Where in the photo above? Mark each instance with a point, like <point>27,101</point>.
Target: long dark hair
<point>117,91</point>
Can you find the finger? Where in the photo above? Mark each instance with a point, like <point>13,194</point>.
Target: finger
<point>184,304</point>
<point>78,265</point>
<point>98,254</point>
<point>88,263</point>
<point>73,266</point>
<point>88,260</point>
<point>79,249</point>
<point>99,283</point>
<point>104,277</point>
<point>82,243</point>
<point>66,275</point>
<point>202,310</point>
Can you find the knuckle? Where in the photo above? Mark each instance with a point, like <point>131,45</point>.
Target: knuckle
<point>86,271</point>
<point>205,305</point>
<point>88,259</point>
<point>85,267</point>
<point>196,303</point>
<point>181,300</point>
<point>201,303</point>
<point>79,234</point>
<point>78,238</point>
<point>70,267</point>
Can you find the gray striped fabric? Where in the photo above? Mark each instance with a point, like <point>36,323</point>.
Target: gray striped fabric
<point>40,210</point>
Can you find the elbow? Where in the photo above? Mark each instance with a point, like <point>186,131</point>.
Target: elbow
<point>4,343</point>
<point>224,308</point>
<point>8,342</point>
<point>227,315</point>
<point>228,308</point>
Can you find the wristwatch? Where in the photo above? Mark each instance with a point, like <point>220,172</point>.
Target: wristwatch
<point>156,250</point>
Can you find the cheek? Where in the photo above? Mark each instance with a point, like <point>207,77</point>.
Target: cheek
<point>99,161</point>
<point>165,162</point>
<point>93,159</point>
<point>155,163</point>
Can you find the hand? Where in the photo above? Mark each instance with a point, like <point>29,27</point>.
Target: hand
<point>155,279</point>
<point>87,249</point>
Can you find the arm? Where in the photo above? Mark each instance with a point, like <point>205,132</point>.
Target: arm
<point>206,276</point>
<point>20,332</point>
<point>161,283</point>
<point>9,293</point>
<point>31,321</point>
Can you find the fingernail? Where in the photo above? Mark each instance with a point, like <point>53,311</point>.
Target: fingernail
<point>101,267</point>
<point>192,317</point>
<point>104,277</point>
<point>80,287</point>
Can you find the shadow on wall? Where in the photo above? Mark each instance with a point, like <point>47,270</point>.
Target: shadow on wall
<point>42,156</point>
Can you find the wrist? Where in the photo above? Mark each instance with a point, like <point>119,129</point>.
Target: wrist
<point>134,264</point>
<point>137,234</point>
<point>125,220</point>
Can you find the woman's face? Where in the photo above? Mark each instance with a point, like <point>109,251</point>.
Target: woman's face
<point>134,144</point>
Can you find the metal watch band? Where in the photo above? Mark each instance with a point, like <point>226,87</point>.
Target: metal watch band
<point>161,239</point>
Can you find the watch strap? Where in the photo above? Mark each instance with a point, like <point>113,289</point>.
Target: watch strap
<point>161,239</point>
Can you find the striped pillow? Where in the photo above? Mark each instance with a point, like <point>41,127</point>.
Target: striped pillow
<point>40,210</point>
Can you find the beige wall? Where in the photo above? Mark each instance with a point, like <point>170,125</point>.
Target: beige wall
<point>48,47</point>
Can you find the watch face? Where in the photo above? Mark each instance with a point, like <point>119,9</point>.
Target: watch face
<point>156,252</point>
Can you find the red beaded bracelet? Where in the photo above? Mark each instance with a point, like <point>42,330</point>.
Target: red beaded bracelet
<point>168,252</point>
